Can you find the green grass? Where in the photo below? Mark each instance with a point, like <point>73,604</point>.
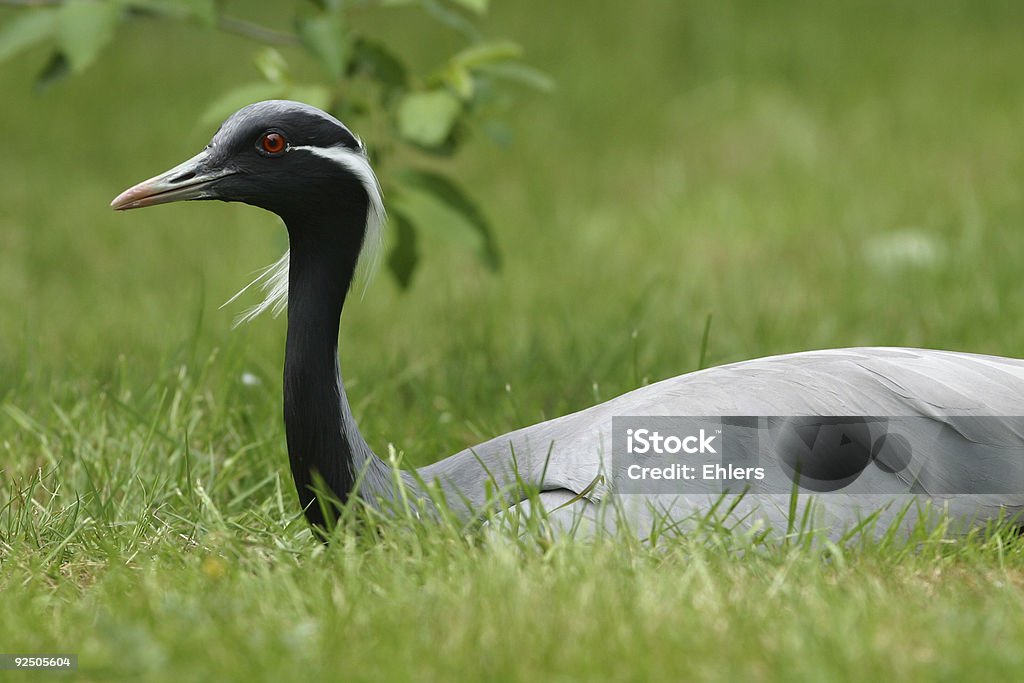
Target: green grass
<point>810,174</point>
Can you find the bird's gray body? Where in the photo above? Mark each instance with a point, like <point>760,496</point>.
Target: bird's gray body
<point>564,457</point>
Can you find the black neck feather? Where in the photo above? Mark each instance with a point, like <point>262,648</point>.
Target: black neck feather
<point>323,440</point>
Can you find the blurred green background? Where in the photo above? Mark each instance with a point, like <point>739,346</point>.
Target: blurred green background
<point>810,174</point>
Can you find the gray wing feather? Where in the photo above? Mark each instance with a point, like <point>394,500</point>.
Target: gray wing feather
<point>570,453</point>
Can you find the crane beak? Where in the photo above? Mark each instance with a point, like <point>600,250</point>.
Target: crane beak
<point>193,179</point>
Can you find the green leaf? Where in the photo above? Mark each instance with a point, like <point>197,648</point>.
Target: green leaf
<point>324,35</point>
<point>451,19</point>
<point>469,221</point>
<point>460,80</point>
<point>458,72</point>
<point>272,65</point>
<point>405,255</point>
<point>427,118</point>
<point>522,74</point>
<point>25,30</point>
<point>56,69</point>
<point>488,53</point>
<point>84,27</point>
<point>233,100</point>
<point>378,62</point>
<point>499,133</point>
<point>478,6</point>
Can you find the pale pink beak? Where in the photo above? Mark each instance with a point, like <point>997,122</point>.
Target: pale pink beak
<point>189,180</point>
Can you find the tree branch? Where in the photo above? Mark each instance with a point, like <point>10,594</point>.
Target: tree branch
<point>227,24</point>
<point>250,30</point>
<point>29,3</point>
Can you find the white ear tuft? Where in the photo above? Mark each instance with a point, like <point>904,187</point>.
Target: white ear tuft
<point>273,281</point>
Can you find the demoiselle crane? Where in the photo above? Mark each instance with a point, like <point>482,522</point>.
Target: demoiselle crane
<point>888,426</point>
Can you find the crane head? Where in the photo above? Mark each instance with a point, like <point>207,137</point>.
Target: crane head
<point>287,157</point>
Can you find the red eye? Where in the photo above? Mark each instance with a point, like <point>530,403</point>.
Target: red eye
<point>273,143</point>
